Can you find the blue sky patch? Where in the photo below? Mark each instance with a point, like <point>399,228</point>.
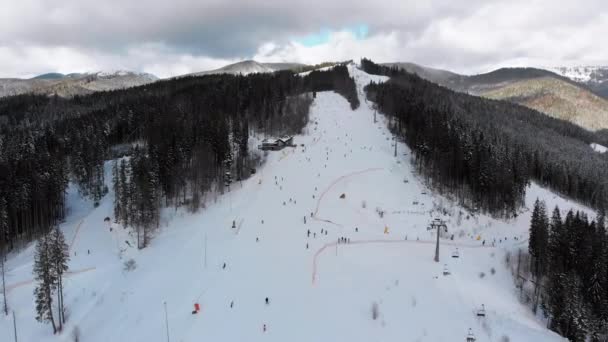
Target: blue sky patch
<point>359,31</point>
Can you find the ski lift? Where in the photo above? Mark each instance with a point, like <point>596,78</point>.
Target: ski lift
<point>481,312</point>
<point>455,254</point>
<point>446,271</point>
<point>470,336</point>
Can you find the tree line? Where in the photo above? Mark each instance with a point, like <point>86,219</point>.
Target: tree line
<point>185,134</point>
<point>485,152</point>
<point>569,262</point>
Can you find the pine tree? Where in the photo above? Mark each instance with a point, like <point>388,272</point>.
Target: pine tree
<point>59,258</point>
<point>3,239</point>
<point>539,235</point>
<point>46,281</point>
<point>538,245</point>
<point>117,191</point>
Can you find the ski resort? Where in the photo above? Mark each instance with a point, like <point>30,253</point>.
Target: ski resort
<point>374,259</point>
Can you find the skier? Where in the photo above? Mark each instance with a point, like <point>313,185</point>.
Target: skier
<point>224,267</point>
<point>356,229</point>
<point>308,234</point>
<point>231,304</point>
<point>257,239</point>
<point>264,328</point>
<point>267,301</point>
<point>314,235</point>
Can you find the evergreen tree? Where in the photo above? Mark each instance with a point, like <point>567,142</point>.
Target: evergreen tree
<point>538,237</point>
<point>3,239</point>
<point>59,258</point>
<point>46,280</point>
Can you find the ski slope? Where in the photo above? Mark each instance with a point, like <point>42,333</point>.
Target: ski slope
<point>318,289</point>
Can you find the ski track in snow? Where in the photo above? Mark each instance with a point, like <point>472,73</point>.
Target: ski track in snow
<point>313,296</point>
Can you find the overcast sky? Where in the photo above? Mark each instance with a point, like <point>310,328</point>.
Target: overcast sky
<point>174,37</point>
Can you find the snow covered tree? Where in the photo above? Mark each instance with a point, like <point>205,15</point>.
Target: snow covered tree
<point>59,258</point>
<point>3,239</point>
<point>539,235</point>
<point>46,281</point>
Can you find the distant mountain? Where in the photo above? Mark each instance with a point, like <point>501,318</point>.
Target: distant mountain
<point>546,91</point>
<point>49,76</point>
<point>439,76</point>
<point>75,83</point>
<point>250,67</point>
<point>285,66</point>
<point>244,68</point>
<point>558,99</point>
<point>594,77</point>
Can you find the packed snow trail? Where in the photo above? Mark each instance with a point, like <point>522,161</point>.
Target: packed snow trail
<point>269,254</point>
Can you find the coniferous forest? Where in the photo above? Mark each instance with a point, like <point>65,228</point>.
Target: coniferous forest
<point>485,152</point>
<point>569,263</point>
<point>181,136</point>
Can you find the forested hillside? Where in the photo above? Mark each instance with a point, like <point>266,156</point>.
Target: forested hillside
<point>485,152</point>
<point>183,135</point>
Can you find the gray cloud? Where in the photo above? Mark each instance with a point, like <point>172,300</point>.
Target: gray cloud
<point>183,35</point>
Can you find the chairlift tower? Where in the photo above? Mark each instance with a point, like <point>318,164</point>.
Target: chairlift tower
<point>438,224</point>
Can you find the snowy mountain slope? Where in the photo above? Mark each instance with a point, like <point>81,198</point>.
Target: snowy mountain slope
<point>318,290</point>
<point>583,74</point>
<point>244,68</point>
<point>250,67</point>
<point>594,77</point>
<point>75,84</point>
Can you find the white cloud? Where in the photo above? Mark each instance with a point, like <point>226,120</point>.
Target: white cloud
<point>181,36</point>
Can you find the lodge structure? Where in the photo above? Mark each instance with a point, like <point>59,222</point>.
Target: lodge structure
<point>276,144</point>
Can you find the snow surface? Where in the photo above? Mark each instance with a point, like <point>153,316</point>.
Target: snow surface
<point>320,293</point>
<point>598,148</point>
